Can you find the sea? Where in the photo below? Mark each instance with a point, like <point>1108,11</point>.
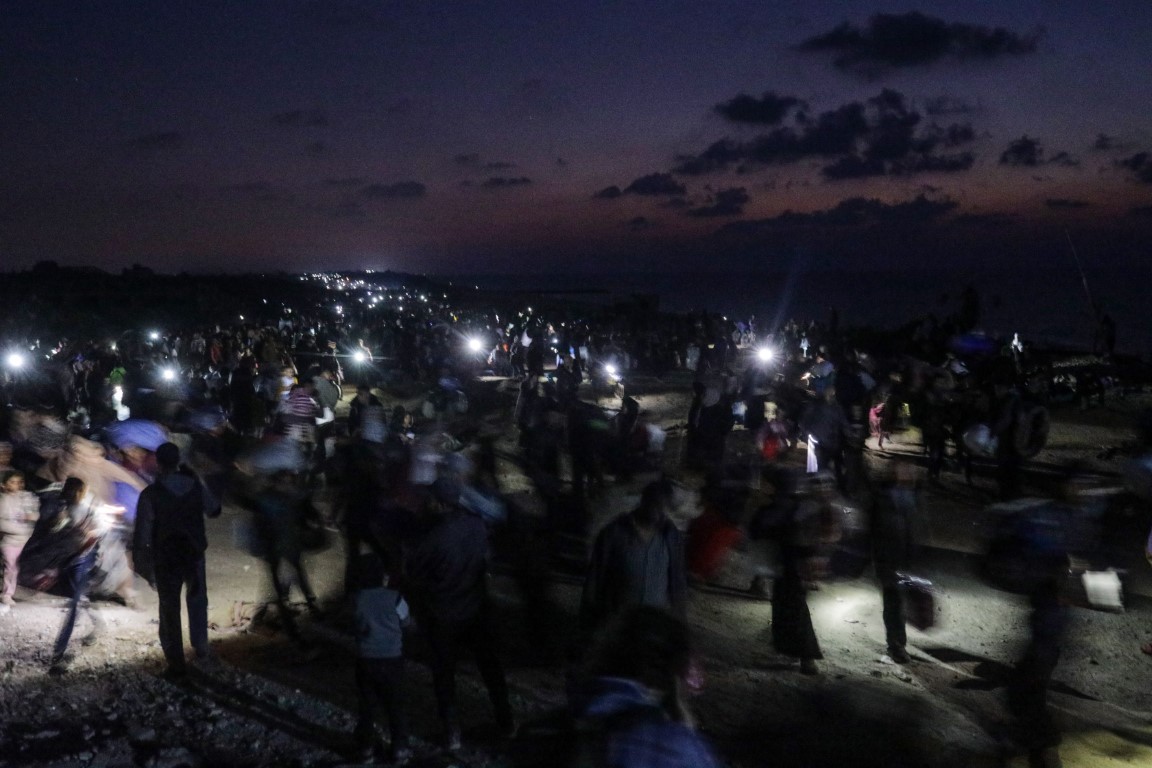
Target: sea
<point>1047,307</point>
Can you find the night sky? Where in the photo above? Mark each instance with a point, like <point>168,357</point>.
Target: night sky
<point>546,136</point>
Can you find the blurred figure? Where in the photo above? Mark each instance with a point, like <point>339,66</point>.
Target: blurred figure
<point>78,520</point>
<point>807,528</point>
<point>1052,531</point>
<point>170,542</point>
<point>447,576</point>
<point>824,424</point>
<point>279,525</point>
<point>634,699</point>
<point>893,510</point>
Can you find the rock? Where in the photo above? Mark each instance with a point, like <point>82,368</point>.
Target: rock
<point>174,757</point>
<point>140,735</point>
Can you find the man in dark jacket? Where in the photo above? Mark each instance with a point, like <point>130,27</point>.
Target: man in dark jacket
<point>447,580</point>
<point>638,559</point>
<point>169,553</point>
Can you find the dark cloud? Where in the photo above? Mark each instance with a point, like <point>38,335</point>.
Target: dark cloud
<point>639,223</point>
<point>1062,203</point>
<point>913,39</point>
<point>655,184</point>
<point>608,193</point>
<point>725,202</point>
<point>853,213</point>
<point>561,162</point>
<point>676,203</point>
<point>943,106</point>
<point>1140,164</point>
<point>301,118</point>
<point>1104,142</point>
<point>878,137</point>
<point>1024,151</point>
<point>259,190</point>
<point>347,182</point>
<point>472,160</point>
<point>349,209</point>
<point>769,109</point>
<point>1141,211</point>
<point>161,140</point>
<point>401,190</point>
<point>315,148</point>
<point>501,182</point>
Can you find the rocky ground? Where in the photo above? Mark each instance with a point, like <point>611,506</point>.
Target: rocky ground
<point>265,703</point>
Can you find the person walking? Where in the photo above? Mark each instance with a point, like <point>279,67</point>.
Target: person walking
<point>893,513</point>
<point>78,519</point>
<point>447,577</point>
<point>170,542</point>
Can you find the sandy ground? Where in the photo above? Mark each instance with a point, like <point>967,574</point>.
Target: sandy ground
<point>266,704</point>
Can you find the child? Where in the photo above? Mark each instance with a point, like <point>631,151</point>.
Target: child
<point>19,511</point>
<point>380,614</point>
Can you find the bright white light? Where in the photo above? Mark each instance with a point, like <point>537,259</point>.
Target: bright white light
<point>764,354</point>
<point>475,344</point>
<point>610,369</point>
<point>359,356</point>
<point>15,360</point>
<point>168,374</point>
<point>154,335</point>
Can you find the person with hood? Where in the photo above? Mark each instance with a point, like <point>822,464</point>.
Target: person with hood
<point>170,542</point>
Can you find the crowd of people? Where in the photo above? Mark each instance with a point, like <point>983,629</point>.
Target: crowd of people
<point>116,453</point>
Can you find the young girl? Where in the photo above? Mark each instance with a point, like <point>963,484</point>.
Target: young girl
<point>19,511</point>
